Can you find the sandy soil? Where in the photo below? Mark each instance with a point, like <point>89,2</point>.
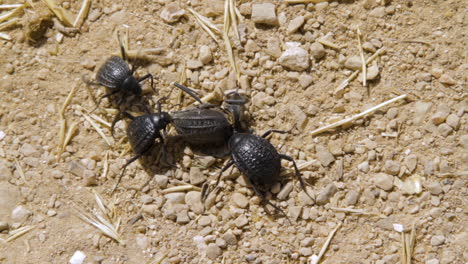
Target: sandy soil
<point>366,166</point>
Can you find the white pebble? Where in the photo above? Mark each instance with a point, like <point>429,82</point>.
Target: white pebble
<point>77,258</point>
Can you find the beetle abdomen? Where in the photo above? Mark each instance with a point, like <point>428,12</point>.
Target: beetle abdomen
<point>113,72</point>
<point>202,126</point>
<point>256,158</point>
<point>141,134</point>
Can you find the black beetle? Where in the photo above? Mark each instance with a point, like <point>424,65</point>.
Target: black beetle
<point>117,76</point>
<point>258,159</point>
<point>208,124</point>
<point>143,131</point>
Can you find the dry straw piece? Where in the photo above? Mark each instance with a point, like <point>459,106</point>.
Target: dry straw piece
<point>229,20</point>
<point>82,14</point>
<point>340,89</point>
<point>304,1</point>
<point>182,188</point>
<point>20,171</point>
<point>65,137</point>
<point>15,12</point>
<point>206,24</point>
<point>316,259</point>
<point>102,220</point>
<point>19,232</point>
<point>355,117</point>
<point>63,15</point>
<point>361,52</point>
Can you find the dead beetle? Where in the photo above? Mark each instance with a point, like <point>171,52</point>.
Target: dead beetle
<point>143,131</point>
<point>259,160</point>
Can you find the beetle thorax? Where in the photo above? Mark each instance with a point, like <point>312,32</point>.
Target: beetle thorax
<point>131,85</point>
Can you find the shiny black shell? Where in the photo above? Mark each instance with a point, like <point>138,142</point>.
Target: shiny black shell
<point>256,158</point>
<point>200,126</point>
<point>142,132</point>
<point>115,74</point>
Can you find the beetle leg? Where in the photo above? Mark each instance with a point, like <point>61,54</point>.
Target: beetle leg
<point>128,115</point>
<point>206,190</point>
<point>266,134</point>
<point>264,199</point>
<point>125,168</point>
<point>104,96</point>
<point>189,91</point>
<point>116,119</point>
<point>298,174</point>
<point>149,75</point>
<point>164,153</point>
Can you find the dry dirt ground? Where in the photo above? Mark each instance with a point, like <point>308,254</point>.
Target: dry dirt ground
<point>371,166</point>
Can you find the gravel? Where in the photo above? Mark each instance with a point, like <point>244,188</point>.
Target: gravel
<point>264,13</point>
<point>326,194</point>
<point>20,214</point>
<point>323,155</point>
<point>384,181</point>
<point>437,240</point>
<point>193,201</point>
<point>294,58</point>
<point>317,50</point>
<point>240,200</point>
<point>213,251</point>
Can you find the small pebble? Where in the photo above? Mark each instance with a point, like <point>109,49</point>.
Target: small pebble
<point>241,221</point>
<point>434,188</point>
<point>193,201</point>
<point>213,251</point>
<point>307,242</point>
<point>384,181</point>
<point>364,166</point>
<point>20,214</point>
<point>176,197</point>
<point>392,167</point>
<point>323,155</point>
<point>295,24</point>
<point>205,54</point>
<point>351,197</point>
<point>326,194</point>
<point>432,261</point>
<point>305,251</point>
<point>4,226</point>
<point>230,238</point>
<point>196,176</point>
<point>182,217</point>
<point>172,13</point>
<point>285,191</point>
<point>372,72</point>
<point>194,64</point>
<point>77,258</point>
<point>9,68</point>
<point>264,13</point>
<point>447,79</point>
<point>437,240</point>
<point>453,120</point>
<point>305,80</point>
<point>317,50</point>
<point>353,63</point>
<point>411,161</point>
<point>445,129</point>
<point>295,58</point>
<point>437,72</point>
<point>204,220</point>
<point>240,200</point>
